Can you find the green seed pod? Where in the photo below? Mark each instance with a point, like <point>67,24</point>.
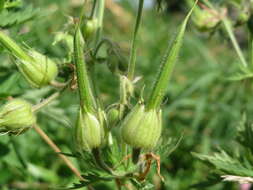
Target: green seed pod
<point>16,116</point>
<point>142,128</point>
<point>243,17</point>
<point>36,68</point>
<point>40,71</point>
<point>89,132</point>
<point>205,19</point>
<point>89,28</point>
<point>112,116</point>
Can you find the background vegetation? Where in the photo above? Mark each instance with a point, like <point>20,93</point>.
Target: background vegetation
<point>202,105</point>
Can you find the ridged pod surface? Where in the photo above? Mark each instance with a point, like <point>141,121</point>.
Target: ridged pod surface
<point>40,71</point>
<point>88,132</point>
<point>15,115</point>
<point>141,128</point>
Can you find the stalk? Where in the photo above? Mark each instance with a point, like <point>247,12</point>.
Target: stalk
<point>85,93</point>
<point>58,151</point>
<point>100,17</point>
<point>100,162</point>
<point>168,64</point>
<point>228,28</point>
<point>14,48</point>
<point>132,59</point>
<point>251,50</point>
<point>93,9</point>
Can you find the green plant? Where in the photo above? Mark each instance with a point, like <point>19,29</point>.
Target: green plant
<point>104,144</point>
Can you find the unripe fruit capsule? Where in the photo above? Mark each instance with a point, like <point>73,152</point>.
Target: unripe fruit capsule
<point>39,72</point>
<point>88,132</point>
<point>113,116</point>
<point>16,115</point>
<point>89,28</point>
<point>142,128</point>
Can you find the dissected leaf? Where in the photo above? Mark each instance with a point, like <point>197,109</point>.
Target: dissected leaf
<point>229,165</point>
<point>10,18</point>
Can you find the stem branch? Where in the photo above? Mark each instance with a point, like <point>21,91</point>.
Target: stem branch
<point>58,151</point>
<point>228,28</point>
<point>132,59</point>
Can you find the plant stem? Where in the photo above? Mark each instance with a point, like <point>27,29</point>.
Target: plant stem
<point>93,9</point>
<point>136,155</point>
<point>85,93</point>
<point>45,102</point>
<point>57,84</point>
<point>100,162</point>
<point>58,151</point>
<point>132,60</point>
<point>100,16</point>
<point>14,48</point>
<point>228,28</point>
<point>168,63</point>
<point>251,50</point>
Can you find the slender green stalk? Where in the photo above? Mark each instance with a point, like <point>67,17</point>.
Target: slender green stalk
<point>100,16</point>
<point>100,162</point>
<point>13,47</point>
<point>250,50</point>
<point>132,60</point>
<point>228,28</point>
<point>58,151</point>
<point>168,64</point>
<point>93,9</point>
<point>85,93</point>
<point>45,102</point>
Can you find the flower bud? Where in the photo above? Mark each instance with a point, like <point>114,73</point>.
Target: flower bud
<point>40,71</point>
<point>89,132</point>
<point>89,28</point>
<point>243,17</point>
<point>112,116</point>
<point>16,115</point>
<point>205,19</point>
<point>142,128</point>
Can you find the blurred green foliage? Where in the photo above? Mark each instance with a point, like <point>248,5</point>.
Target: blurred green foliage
<point>201,103</point>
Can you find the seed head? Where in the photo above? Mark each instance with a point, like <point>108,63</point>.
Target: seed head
<point>89,28</point>
<point>89,132</point>
<point>142,128</point>
<point>16,115</point>
<point>39,71</point>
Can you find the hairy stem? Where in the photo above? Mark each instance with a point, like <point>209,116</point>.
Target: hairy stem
<point>228,28</point>
<point>132,60</point>
<point>167,66</point>
<point>87,100</point>
<point>100,16</point>
<point>45,102</point>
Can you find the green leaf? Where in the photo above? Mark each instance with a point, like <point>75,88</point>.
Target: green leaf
<point>4,149</point>
<point>10,18</point>
<point>222,161</point>
<point>211,180</point>
<point>168,64</point>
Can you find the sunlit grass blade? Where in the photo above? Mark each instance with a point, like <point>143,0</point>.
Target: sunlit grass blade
<point>167,67</point>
